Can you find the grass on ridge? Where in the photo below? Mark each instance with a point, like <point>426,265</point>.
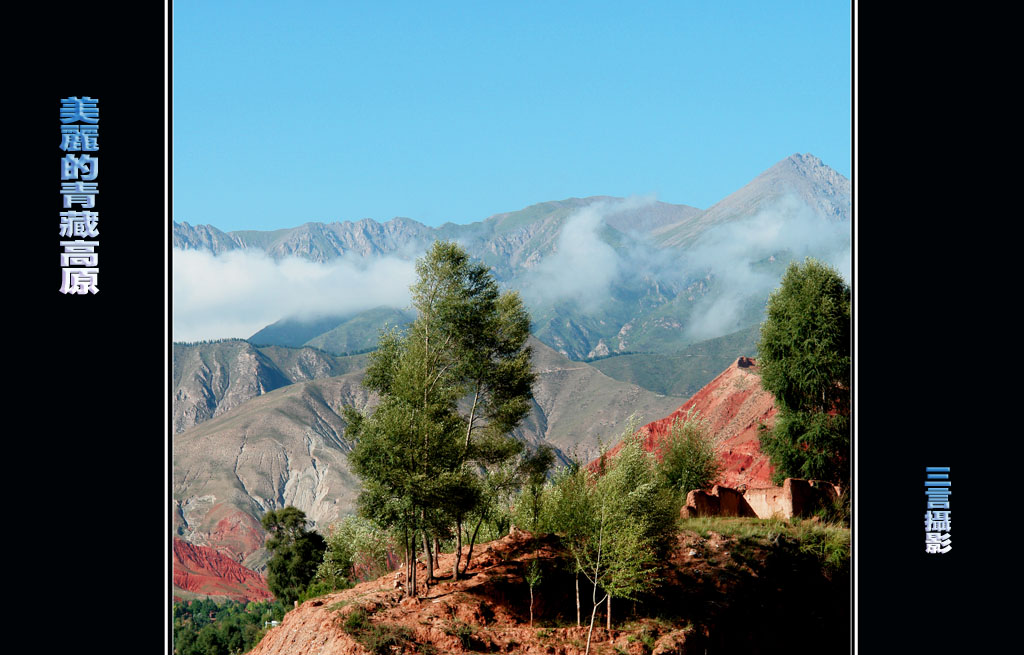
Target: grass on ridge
<point>829,542</point>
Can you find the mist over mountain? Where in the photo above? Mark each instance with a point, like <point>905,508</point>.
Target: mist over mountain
<point>600,275</point>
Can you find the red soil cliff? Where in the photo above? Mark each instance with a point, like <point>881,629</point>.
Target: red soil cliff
<point>735,404</point>
<point>204,571</point>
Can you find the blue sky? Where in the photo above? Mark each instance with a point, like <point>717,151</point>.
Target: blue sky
<point>453,111</point>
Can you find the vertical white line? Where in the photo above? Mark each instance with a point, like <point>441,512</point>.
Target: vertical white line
<point>856,377</point>
<point>164,343</point>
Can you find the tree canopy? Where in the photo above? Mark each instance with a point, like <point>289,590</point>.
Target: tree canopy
<point>452,387</point>
<point>688,458</point>
<point>804,356</point>
<point>617,524</point>
<point>295,553</point>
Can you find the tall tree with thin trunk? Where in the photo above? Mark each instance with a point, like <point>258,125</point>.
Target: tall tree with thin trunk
<point>567,511</point>
<point>452,388</point>
<point>533,577</point>
<point>617,524</point>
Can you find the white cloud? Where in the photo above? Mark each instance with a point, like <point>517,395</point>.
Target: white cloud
<point>582,266</point>
<point>735,254</point>
<point>237,293</point>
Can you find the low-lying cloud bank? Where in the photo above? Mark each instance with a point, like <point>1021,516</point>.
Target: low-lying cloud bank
<point>238,293</point>
<point>739,255</point>
<point>741,262</point>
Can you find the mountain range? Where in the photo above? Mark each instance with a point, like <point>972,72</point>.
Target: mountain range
<point>600,275</point>
<point>636,305</point>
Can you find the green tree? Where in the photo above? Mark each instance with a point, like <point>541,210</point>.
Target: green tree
<point>418,453</point>
<point>640,515</point>
<point>688,458</point>
<point>567,510</point>
<point>531,480</point>
<point>209,641</point>
<point>295,553</point>
<point>804,356</point>
<point>534,575</point>
<point>616,522</point>
<point>356,549</point>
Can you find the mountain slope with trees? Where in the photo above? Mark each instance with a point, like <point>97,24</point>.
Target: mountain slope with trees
<point>288,446</point>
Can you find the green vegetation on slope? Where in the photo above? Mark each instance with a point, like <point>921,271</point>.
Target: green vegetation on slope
<point>359,333</point>
<point>682,373</point>
<point>204,627</point>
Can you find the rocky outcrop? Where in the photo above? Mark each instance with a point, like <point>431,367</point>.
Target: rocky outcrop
<point>720,501</point>
<point>795,497</point>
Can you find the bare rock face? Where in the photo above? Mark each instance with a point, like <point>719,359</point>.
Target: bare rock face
<point>202,237</point>
<point>213,378</point>
<point>286,447</point>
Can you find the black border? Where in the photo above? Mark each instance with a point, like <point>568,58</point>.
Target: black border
<point>92,381</point>
<point>89,451</point>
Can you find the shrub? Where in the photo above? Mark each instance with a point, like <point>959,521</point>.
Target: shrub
<point>378,638</point>
<point>688,458</point>
<point>461,630</point>
<point>356,550</point>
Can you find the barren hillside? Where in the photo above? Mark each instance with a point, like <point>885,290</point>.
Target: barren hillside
<point>719,594</point>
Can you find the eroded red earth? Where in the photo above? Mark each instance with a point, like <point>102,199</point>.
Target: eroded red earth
<point>202,570</point>
<point>735,404</point>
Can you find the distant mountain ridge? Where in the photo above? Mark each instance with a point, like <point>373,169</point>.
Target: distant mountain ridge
<point>600,275</point>
<point>826,191</point>
<point>208,379</point>
<point>804,176</point>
